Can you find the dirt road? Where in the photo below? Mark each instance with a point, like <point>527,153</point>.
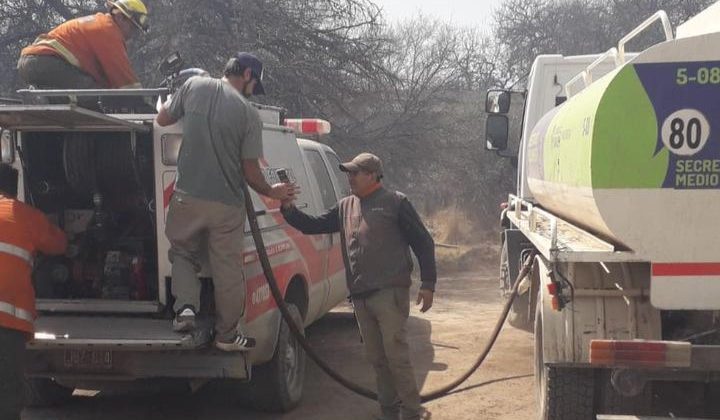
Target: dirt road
<point>444,343</point>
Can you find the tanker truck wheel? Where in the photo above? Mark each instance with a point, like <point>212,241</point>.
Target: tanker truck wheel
<point>612,402</point>
<point>562,393</point>
<point>45,392</point>
<point>277,385</point>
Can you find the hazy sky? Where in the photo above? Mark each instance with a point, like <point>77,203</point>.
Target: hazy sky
<point>461,12</point>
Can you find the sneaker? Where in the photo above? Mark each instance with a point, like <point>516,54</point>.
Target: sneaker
<point>237,343</point>
<point>184,320</point>
<point>423,414</point>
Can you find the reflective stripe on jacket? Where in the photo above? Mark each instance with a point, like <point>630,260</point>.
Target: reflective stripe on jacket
<point>23,231</point>
<point>95,45</point>
<point>16,312</point>
<point>16,251</point>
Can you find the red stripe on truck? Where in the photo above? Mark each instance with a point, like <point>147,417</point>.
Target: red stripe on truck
<point>685,269</point>
<point>167,194</point>
<point>259,299</point>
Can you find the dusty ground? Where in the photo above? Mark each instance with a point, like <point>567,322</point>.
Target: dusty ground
<point>444,342</point>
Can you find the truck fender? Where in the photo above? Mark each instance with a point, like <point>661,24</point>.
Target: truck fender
<point>267,331</point>
<point>556,344</point>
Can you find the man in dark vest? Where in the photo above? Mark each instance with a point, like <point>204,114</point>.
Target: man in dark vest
<point>378,228</point>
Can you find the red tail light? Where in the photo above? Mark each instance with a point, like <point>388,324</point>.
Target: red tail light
<point>552,288</point>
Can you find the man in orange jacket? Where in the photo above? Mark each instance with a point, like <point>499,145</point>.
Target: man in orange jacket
<point>87,52</point>
<point>23,232</point>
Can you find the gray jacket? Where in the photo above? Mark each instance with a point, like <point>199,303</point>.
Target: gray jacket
<point>377,233</point>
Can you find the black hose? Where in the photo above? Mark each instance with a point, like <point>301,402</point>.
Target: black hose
<point>493,337</point>
<point>280,301</point>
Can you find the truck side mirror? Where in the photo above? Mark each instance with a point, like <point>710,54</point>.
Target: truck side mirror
<point>497,101</point>
<point>496,132</point>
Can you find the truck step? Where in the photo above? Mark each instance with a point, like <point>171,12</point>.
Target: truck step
<point>116,333</point>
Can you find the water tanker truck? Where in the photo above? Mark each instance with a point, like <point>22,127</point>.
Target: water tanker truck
<point>617,198</point>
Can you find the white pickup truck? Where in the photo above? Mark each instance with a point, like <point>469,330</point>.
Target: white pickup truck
<point>618,192</point>
<point>106,178</point>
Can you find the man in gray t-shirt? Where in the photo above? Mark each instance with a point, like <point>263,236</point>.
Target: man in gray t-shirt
<point>222,142</point>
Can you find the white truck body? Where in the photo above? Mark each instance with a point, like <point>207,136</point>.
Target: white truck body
<point>613,323</point>
<point>91,334</point>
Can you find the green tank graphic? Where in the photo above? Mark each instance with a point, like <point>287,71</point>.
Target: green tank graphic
<point>593,140</point>
<point>637,150</point>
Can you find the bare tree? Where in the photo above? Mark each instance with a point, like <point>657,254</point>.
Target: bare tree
<point>305,42</point>
<point>411,92</point>
<point>526,28</point>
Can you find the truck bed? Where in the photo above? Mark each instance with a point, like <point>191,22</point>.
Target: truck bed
<point>559,240</point>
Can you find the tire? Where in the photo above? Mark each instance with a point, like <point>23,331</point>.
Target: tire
<point>45,392</point>
<point>612,402</point>
<point>712,400</point>
<point>562,393</point>
<point>277,386</point>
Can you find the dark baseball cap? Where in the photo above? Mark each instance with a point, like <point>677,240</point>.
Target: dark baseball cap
<point>248,60</point>
<point>363,162</point>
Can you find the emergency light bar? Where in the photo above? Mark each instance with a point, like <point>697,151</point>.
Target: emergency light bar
<point>640,353</point>
<point>308,126</point>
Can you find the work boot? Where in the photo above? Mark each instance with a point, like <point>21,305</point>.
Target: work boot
<point>237,343</point>
<point>423,414</point>
<point>184,319</point>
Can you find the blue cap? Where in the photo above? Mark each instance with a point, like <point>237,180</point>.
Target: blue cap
<point>248,60</point>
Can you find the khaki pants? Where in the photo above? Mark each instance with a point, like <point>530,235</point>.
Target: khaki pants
<point>383,324</point>
<point>192,224</point>
<point>12,358</point>
<point>51,72</point>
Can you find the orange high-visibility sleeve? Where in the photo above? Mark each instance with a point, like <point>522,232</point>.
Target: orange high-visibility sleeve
<point>47,238</point>
<point>23,232</point>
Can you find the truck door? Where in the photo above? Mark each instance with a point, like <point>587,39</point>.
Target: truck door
<point>336,266</point>
<point>342,186</point>
<point>327,197</point>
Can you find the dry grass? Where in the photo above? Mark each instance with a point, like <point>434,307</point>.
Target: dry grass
<point>460,244</point>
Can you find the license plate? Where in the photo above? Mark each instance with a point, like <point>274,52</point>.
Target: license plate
<point>88,359</point>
